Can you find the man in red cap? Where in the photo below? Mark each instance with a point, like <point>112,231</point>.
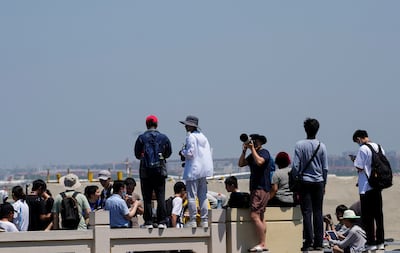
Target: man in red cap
<point>152,148</point>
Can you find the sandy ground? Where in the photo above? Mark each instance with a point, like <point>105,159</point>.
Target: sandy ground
<point>340,190</point>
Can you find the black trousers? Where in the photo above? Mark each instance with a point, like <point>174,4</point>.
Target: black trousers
<point>311,201</point>
<point>372,215</point>
<point>148,185</point>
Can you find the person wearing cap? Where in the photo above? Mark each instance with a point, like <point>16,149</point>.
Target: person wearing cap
<point>311,152</point>
<point>198,166</point>
<point>21,216</point>
<point>259,161</point>
<point>6,217</point>
<point>355,238</point>
<point>280,194</point>
<point>3,196</point>
<point>38,216</point>
<point>71,183</point>
<point>152,176</point>
<point>105,181</point>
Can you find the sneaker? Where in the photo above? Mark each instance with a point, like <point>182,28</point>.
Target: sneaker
<point>191,224</point>
<point>369,247</point>
<point>204,224</point>
<point>162,226</point>
<point>381,246</point>
<point>148,226</point>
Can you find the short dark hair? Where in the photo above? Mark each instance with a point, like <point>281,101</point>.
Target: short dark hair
<point>118,184</point>
<point>130,181</point>
<point>151,123</point>
<point>311,126</point>
<point>341,209</point>
<point>359,134</point>
<point>90,189</point>
<point>39,184</point>
<point>179,186</point>
<point>18,192</point>
<point>5,209</point>
<point>232,180</point>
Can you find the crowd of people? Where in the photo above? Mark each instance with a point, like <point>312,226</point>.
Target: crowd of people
<point>189,205</point>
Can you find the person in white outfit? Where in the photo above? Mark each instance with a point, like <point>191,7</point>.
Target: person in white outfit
<point>21,216</point>
<point>198,166</point>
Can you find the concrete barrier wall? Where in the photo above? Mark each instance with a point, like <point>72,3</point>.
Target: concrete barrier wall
<point>284,230</point>
<point>230,230</point>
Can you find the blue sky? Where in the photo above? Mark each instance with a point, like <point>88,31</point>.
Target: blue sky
<point>78,78</point>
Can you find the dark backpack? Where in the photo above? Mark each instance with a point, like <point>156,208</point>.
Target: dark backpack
<point>69,210</point>
<point>153,151</point>
<point>381,172</point>
<point>168,207</point>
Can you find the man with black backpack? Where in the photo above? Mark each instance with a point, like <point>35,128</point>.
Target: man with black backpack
<point>370,196</point>
<point>71,207</point>
<point>152,148</point>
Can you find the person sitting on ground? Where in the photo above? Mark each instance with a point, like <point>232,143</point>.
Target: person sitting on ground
<point>177,205</point>
<point>21,217</point>
<point>355,239</point>
<point>6,216</point>
<point>237,199</point>
<point>280,194</point>
<point>340,229</point>
<point>132,197</point>
<point>120,214</point>
<point>92,193</point>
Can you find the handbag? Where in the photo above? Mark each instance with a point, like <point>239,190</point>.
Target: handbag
<point>295,180</point>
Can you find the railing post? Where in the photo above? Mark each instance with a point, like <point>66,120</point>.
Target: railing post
<point>218,231</point>
<point>99,221</point>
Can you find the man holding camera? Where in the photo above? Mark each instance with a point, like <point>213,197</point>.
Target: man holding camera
<point>260,183</point>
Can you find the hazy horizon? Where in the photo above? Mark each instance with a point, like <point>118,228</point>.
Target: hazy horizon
<point>78,78</point>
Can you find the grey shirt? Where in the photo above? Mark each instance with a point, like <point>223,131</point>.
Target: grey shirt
<point>318,169</point>
<point>281,178</point>
<point>355,239</point>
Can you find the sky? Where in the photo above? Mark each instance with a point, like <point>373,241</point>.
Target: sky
<point>78,78</point>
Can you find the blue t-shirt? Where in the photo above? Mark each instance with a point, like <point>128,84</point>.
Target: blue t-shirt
<point>260,176</point>
<point>118,209</point>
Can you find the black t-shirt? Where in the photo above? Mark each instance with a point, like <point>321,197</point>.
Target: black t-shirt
<point>37,207</point>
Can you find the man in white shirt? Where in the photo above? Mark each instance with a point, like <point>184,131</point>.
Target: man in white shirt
<point>370,198</point>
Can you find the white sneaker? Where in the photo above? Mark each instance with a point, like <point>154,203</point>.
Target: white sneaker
<point>149,226</point>
<point>381,246</point>
<point>191,224</point>
<point>162,226</point>
<point>369,247</point>
<point>204,224</point>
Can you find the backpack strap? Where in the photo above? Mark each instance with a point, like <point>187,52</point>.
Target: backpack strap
<point>373,151</point>
<point>75,194</point>
<point>63,195</point>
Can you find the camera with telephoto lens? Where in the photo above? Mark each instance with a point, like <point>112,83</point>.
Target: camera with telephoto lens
<point>245,138</point>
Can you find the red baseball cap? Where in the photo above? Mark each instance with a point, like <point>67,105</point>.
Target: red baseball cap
<point>151,118</point>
